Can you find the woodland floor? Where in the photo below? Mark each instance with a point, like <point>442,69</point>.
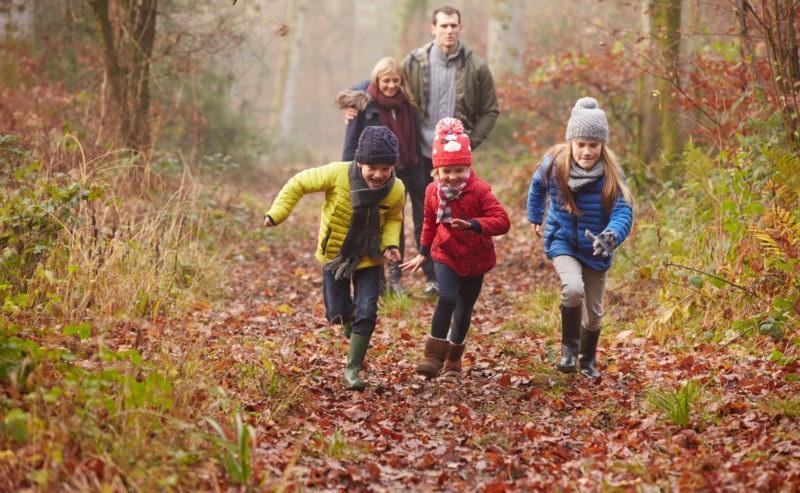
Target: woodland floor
<point>512,422</point>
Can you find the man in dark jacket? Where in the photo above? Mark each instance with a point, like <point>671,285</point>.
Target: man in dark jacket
<point>448,79</point>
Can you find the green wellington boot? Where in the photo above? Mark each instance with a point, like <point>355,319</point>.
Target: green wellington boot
<point>347,329</point>
<point>355,360</point>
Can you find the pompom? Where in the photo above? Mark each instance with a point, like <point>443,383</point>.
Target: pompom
<point>449,124</point>
<point>587,103</point>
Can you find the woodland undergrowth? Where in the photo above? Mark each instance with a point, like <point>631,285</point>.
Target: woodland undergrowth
<point>127,363</point>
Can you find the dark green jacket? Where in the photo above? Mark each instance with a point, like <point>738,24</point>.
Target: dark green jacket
<point>476,101</point>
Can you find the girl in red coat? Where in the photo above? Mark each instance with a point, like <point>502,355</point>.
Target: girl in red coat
<point>461,216</point>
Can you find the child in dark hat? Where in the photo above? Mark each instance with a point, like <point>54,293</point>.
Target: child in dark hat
<point>589,217</point>
<point>359,228</point>
<point>461,216</point>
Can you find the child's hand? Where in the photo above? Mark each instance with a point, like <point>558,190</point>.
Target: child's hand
<point>392,254</point>
<point>349,114</point>
<point>603,243</point>
<point>414,264</point>
<point>459,224</point>
<point>268,222</point>
<point>537,228</point>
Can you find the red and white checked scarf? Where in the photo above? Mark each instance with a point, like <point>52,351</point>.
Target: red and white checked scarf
<point>446,194</point>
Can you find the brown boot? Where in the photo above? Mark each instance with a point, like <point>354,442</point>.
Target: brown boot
<point>435,353</point>
<point>452,364</point>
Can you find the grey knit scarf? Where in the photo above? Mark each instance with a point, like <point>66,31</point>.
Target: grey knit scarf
<point>579,177</point>
<point>364,232</point>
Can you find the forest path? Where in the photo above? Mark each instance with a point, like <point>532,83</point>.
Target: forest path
<point>511,422</point>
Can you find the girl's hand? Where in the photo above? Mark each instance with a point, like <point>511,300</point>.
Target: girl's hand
<point>459,224</point>
<point>268,222</point>
<point>537,228</point>
<point>349,114</point>
<point>392,254</point>
<point>414,264</point>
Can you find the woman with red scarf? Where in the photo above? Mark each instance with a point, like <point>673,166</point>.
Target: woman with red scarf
<point>386,100</point>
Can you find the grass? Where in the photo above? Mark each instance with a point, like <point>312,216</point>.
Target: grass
<point>234,454</point>
<point>334,446</point>
<point>498,439</point>
<point>676,404</point>
<point>158,417</point>
<point>789,407</point>
<point>539,312</point>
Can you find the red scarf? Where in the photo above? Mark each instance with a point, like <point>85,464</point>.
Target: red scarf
<point>402,124</point>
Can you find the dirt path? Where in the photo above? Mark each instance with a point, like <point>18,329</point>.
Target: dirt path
<point>511,422</point>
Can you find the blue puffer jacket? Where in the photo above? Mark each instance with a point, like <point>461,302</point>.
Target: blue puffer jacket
<point>564,232</point>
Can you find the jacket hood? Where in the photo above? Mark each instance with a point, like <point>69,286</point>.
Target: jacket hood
<point>353,99</point>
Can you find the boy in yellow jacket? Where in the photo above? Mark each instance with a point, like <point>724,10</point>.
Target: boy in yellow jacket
<point>359,227</point>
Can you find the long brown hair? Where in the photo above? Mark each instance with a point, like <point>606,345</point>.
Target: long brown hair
<point>389,65</point>
<point>613,186</point>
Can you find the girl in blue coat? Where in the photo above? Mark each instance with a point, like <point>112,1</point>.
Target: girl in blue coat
<point>590,215</point>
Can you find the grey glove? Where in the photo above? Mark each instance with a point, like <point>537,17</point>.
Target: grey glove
<point>603,243</point>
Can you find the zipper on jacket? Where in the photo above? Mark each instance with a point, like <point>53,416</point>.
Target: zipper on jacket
<point>575,232</point>
<point>325,241</point>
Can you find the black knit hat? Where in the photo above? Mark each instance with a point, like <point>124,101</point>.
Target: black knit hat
<point>377,145</point>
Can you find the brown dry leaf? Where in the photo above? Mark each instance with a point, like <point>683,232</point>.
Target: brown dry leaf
<point>200,305</point>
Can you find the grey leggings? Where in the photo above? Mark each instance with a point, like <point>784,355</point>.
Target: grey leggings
<point>582,285</point>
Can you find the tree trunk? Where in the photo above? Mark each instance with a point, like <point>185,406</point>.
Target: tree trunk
<point>142,22</point>
<point>505,37</point>
<point>666,16</point>
<point>776,19</point>
<point>410,14</point>
<point>646,147</point>
<point>746,44</point>
<point>113,97</point>
<point>280,121</point>
<point>126,61</point>
<point>782,41</point>
<point>16,20</point>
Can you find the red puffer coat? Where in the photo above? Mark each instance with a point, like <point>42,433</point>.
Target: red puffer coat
<point>469,253</point>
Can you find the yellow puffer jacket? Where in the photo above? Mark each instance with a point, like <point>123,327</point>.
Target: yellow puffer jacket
<point>333,179</point>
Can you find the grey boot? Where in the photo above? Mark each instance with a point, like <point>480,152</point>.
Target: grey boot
<point>570,337</point>
<point>587,359</point>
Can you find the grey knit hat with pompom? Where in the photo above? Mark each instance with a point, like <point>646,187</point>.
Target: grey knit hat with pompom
<point>588,122</point>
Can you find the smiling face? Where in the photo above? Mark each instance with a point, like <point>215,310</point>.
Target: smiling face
<point>376,174</point>
<point>446,31</point>
<point>586,152</point>
<point>389,84</point>
<point>453,175</point>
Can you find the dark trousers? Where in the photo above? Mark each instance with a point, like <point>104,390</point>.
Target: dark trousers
<point>425,166</point>
<point>360,309</point>
<point>457,296</point>
<point>415,183</point>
